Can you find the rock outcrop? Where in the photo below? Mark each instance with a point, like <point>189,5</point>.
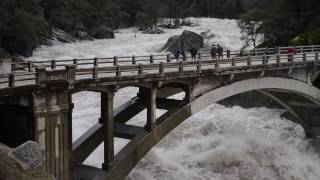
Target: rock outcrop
<point>28,155</point>
<point>186,40</point>
<point>11,169</point>
<point>153,31</point>
<point>102,32</point>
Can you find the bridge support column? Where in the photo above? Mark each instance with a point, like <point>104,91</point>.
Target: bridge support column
<point>151,96</point>
<point>108,121</point>
<point>52,110</point>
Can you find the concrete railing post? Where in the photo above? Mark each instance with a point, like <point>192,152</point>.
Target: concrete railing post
<point>161,68</point>
<point>312,48</point>
<point>71,73</point>
<point>168,58</point>
<point>217,65</point>
<point>180,66</point>
<point>95,72</point>
<point>11,80</point>
<point>316,56</point>
<point>278,58</point>
<point>134,59</point>
<point>115,60</point>
<point>249,61</point>
<point>5,66</point>
<point>118,71</point>
<point>53,64</point>
<point>95,62</point>
<point>30,66</point>
<point>75,61</point>
<point>41,74</point>
<point>140,72</point>
<point>228,53</point>
<point>264,59</point>
<point>151,59</point>
<point>199,66</point>
<point>233,61</point>
<point>304,58</point>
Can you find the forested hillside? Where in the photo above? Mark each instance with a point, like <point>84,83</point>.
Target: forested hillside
<point>25,24</point>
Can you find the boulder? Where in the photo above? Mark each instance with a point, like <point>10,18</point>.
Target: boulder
<point>28,155</point>
<point>153,31</point>
<point>102,32</point>
<point>62,36</point>
<point>186,40</point>
<point>82,35</point>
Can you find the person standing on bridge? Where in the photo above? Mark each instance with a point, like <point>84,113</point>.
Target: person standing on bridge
<point>176,53</point>
<point>220,51</point>
<point>290,52</point>
<point>213,51</point>
<point>193,51</point>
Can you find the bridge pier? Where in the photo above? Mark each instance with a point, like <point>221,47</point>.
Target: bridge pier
<point>52,112</point>
<point>151,96</point>
<point>107,98</point>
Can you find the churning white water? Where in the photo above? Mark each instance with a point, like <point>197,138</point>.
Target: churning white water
<point>217,143</point>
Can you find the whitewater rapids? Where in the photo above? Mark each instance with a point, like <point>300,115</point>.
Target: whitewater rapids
<point>217,143</point>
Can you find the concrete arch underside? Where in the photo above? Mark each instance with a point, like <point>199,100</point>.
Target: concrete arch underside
<point>295,96</point>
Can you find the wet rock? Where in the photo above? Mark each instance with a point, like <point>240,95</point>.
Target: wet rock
<point>28,155</point>
<point>102,32</point>
<point>153,31</point>
<point>82,35</point>
<point>62,36</point>
<point>186,40</point>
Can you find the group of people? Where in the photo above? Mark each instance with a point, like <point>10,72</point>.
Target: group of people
<point>177,52</point>
<point>216,51</point>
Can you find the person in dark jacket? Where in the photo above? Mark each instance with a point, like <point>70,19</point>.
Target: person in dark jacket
<point>213,51</point>
<point>220,51</point>
<point>176,53</point>
<point>193,51</point>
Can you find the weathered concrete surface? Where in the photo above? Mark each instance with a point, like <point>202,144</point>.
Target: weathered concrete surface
<point>28,155</point>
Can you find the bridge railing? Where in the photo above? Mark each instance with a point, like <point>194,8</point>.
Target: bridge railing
<point>138,65</point>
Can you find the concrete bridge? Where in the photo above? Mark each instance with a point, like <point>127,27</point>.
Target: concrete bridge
<point>36,103</point>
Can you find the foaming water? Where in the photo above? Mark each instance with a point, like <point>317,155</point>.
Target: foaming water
<point>222,143</point>
<point>217,143</point>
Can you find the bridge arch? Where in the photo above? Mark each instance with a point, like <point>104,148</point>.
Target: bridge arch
<point>129,156</point>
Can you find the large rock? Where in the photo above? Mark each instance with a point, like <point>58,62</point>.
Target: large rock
<point>102,32</point>
<point>153,31</point>
<point>60,35</point>
<point>28,155</point>
<point>82,35</point>
<point>186,40</point>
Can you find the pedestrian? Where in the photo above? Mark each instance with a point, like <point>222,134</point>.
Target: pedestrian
<point>220,51</point>
<point>176,53</point>
<point>213,51</point>
<point>290,52</point>
<point>193,51</point>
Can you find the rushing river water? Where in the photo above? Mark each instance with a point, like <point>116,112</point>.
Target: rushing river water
<point>217,143</point>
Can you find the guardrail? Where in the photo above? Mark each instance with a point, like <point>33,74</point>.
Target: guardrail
<point>106,67</point>
<point>150,59</point>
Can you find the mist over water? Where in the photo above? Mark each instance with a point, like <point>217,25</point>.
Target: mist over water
<point>217,143</point>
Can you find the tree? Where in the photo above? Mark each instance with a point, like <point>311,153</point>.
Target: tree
<point>250,25</point>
